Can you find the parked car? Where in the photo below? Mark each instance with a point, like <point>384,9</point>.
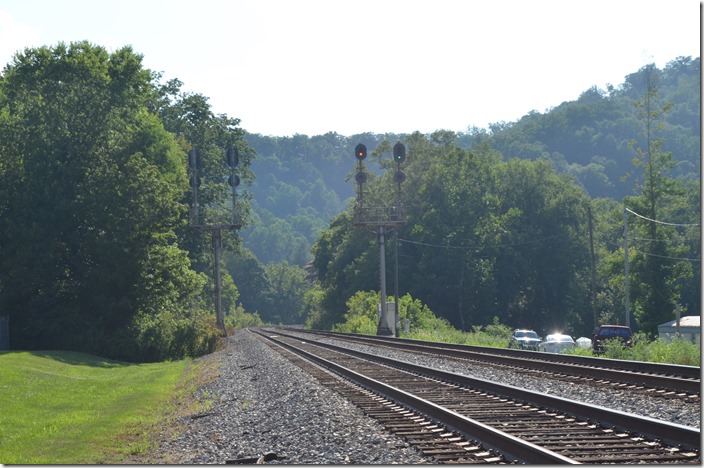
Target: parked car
<point>524,339</point>
<point>556,343</point>
<point>610,332</point>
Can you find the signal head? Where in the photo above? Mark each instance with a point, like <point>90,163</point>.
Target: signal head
<point>360,151</point>
<point>232,157</point>
<point>399,152</point>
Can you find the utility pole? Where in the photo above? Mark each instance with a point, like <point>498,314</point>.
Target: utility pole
<point>194,163</point>
<point>397,319</point>
<point>382,218</point>
<point>593,267</point>
<point>627,298</point>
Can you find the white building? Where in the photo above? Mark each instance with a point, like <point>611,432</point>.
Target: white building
<point>689,329</point>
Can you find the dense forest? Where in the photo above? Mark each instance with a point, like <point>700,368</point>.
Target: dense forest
<point>98,195</point>
<point>548,176</point>
<point>97,253</point>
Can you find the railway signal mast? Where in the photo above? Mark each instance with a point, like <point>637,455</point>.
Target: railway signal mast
<point>383,219</point>
<point>198,222</point>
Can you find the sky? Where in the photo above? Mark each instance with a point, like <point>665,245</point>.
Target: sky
<point>286,67</point>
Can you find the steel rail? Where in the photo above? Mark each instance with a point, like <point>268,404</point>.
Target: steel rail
<point>668,376</point>
<point>513,448</point>
<point>670,433</point>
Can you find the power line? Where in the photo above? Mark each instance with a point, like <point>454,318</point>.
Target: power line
<point>659,222</point>
<point>655,255</point>
<point>683,240</point>
<point>479,247</point>
<point>669,258</point>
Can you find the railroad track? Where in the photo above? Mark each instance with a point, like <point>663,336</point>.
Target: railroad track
<point>462,419</point>
<point>659,380</point>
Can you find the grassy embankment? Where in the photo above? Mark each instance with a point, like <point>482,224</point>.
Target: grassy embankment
<point>72,408</point>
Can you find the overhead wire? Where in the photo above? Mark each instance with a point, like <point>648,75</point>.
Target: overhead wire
<point>655,255</point>
<point>478,247</point>
<point>659,222</point>
<point>537,241</point>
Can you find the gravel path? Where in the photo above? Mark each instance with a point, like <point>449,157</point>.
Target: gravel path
<point>264,404</point>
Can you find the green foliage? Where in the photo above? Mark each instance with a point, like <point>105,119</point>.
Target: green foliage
<point>361,316</point>
<point>93,190</point>
<point>287,286</point>
<point>296,194</point>
<point>484,238</point>
<point>677,352</point>
<point>491,232</point>
<point>312,307</point>
<point>238,319</point>
<point>419,316</point>
<point>647,350</point>
<point>495,329</point>
<point>588,138</point>
<point>165,336</point>
<point>655,292</point>
<point>615,349</point>
<point>644,349</point>
<point>494,335</point>
<point>275,291</point>
<point>578,351</point>
<point>487,236</point>
<point>92,187</point>
<point>249,275</point>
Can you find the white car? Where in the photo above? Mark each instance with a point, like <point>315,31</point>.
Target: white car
<point>556,343</point>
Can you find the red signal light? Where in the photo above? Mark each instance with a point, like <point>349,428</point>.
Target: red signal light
<point>360,151</point>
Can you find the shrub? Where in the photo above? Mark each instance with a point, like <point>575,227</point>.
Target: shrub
<point>237,318</point>
<point>165,336</point>
<point>361,316</point>
<point>645,349</point>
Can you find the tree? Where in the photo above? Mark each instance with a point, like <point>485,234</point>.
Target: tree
<point>91,185</point>
<point>286,289</point>
<point>250,277</point>
<point>542,259</point>
<point>197,128</point>
<point>458,190</point>
<point>484,238</point>
<point>654,290</point>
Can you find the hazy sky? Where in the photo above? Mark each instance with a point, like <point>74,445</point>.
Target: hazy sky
<point>351,66</point>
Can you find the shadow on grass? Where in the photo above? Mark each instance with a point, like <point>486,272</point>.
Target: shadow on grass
<point>80,359</point>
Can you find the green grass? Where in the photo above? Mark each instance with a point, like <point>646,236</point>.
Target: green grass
<point>643,349</point>
<point>646,350</point>
<point>72,408</point>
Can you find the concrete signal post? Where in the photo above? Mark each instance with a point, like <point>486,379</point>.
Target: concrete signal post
<point>382,219</point>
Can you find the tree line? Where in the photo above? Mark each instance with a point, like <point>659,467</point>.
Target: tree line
<point>510,239</point>
<point>99,254</point>
<point>301,182</point>
<point>589,145</point>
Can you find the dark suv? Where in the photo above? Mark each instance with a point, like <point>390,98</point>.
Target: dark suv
<point>610,332</point>
<point>524,339</point>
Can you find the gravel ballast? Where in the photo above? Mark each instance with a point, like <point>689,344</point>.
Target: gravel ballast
<point>264,404</point>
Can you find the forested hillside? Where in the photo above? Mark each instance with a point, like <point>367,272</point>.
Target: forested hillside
<point>303,181</point>
<point>590,138</point>
<point>500,219</point>
<point>113,184</point>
